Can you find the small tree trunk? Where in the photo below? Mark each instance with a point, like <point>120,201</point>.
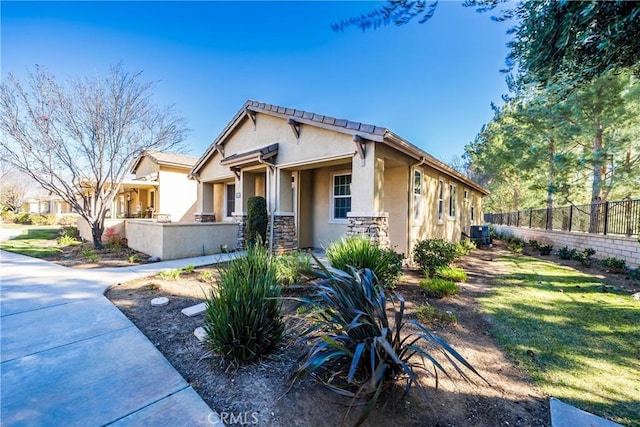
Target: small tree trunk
<point>97,229</point>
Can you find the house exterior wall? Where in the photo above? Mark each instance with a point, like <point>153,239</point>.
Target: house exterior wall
<point>146,167</point>
<point>176,194</point>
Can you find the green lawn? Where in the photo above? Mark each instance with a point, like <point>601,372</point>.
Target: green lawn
<point>578,343</point>
<point>38,242</point>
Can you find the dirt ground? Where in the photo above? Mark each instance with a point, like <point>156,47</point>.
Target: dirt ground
<point>261,391</point>
<point>119,256</point>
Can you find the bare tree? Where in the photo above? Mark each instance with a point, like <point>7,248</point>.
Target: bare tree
<point>77,139</point>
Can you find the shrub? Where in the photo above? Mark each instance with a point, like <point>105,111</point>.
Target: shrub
<point>242,319</point>
<point>534,244</point>
<point>358,252</point>
<point>292,268</point>
<point>452,273</point>
<point>206,276</point>
<point>68,221</point>
<point>257,219</point>
<point>436,287</point>
<point>90,255</point>
<point>44,219</point>
<point>429,314</point>
<point>8,216</point>
<point>545,249</point>
<point>566,253</point>
<point>614,264</point>
<point>66,240</point>
<point>464,247</point>
<point>515,246</point>
<point>170,274</point>
<point>357,350</point>
<point>634,275</point>
<point>134,258</point>
<point>430,254</point>
<point>23,218</point>
<point>585,256</point>
<point>189,268</point>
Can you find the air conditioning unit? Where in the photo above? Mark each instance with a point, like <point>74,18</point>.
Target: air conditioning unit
<point>481,234</point>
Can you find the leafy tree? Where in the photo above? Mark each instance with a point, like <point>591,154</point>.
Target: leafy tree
<point>77,139</point>
<point>571,41</point>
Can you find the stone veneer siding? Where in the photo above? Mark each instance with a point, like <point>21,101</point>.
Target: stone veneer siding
<point>205,217</point>
<point>373,226</point>
<point>284,233</point>
<point>627,248</point>
<point>241,219</point>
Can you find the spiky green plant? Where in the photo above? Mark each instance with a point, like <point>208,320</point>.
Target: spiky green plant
<point>170,274</point>
<point>292,268</point>
<point>243,320</point>
<point>356,350</point>
<point>358,252</point>
<point>188,268</point>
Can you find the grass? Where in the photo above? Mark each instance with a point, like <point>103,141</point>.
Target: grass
<point>37,242</point>
<point>578,343</point>
<point>436,287</point>
<point>428,314</point>
<point>452,273</point>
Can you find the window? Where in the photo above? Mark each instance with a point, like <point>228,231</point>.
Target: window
<point>230,199</point>
<point>341,196</point>
<point>440,201</point>
<point>473,214</point>
<point>466,195</point>
<point>452,200</point>
<point>417,196</point>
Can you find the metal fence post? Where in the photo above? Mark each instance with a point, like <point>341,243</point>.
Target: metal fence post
<point>606,216</point>
<point>570,217</point>
<point>530,217</point>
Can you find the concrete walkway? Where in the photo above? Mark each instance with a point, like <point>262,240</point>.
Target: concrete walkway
<point>70,357</point>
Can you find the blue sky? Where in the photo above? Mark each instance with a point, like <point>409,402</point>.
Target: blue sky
<point>432,83</point>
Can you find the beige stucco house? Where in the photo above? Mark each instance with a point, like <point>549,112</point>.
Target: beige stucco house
<point>160,187</point>
<point>324,178</point>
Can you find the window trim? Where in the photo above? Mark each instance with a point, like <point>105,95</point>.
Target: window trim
<point>332,219</point>
<point>418,214</point>
<point>440,201</point>
<point>453,201</point>
<point>229,215</point>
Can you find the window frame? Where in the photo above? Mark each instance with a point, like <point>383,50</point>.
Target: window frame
<point>453,201</point>
<point>418,214</point>
<point>440,201</point>
<point>227,185</point>
<point>334,175</point>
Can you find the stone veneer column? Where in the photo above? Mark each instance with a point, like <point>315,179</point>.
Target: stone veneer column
<point>284,232</point>
<point>374,226</point>
<point>241,219</point>
<point>205,217</point>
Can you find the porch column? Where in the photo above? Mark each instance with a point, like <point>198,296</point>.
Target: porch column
<point>205,199</point>
<point>284,221</point>
<point>367,217</point>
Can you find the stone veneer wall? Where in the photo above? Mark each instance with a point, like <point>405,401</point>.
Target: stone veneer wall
<point>241,219</point>
<point>373,226</point>
<point>205,217</point>
<point>284,233</point>
<point>627,248</point>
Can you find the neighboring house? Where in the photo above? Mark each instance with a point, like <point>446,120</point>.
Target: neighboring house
<point>324,178</point>
<point>160,188</point>
<point>50,204</point>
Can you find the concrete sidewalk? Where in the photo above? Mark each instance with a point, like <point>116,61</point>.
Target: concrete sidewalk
<point>69,356</point>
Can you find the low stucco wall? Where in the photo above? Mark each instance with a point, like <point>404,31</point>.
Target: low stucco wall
<point>180,240</point>
<point>627,248</point>
<point>85,230</point>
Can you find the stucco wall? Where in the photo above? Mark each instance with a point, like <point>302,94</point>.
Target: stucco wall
<point>324,230</point>
<point>626,248</point>
<point>396,203</point>
<point>180,240</point>
<point>146,167</point>
<point>85,230</point>
<point>177,194</point>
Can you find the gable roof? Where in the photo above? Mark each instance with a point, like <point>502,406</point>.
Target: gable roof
<point>357,129</point>
<point>165,159</point>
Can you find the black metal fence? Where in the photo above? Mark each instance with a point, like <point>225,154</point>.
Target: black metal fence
<point>620,217</point>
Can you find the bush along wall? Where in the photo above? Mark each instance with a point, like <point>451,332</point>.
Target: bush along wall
<point>257,220</point>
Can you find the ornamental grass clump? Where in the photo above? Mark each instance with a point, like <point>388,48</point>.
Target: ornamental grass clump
<point>436,287</point>
<point>452,273</point>
<point>359,252</point>
<point>243,320</point>
<point>357,350</point>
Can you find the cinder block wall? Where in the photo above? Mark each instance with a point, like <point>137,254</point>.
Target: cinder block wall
<point>627,248</point>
